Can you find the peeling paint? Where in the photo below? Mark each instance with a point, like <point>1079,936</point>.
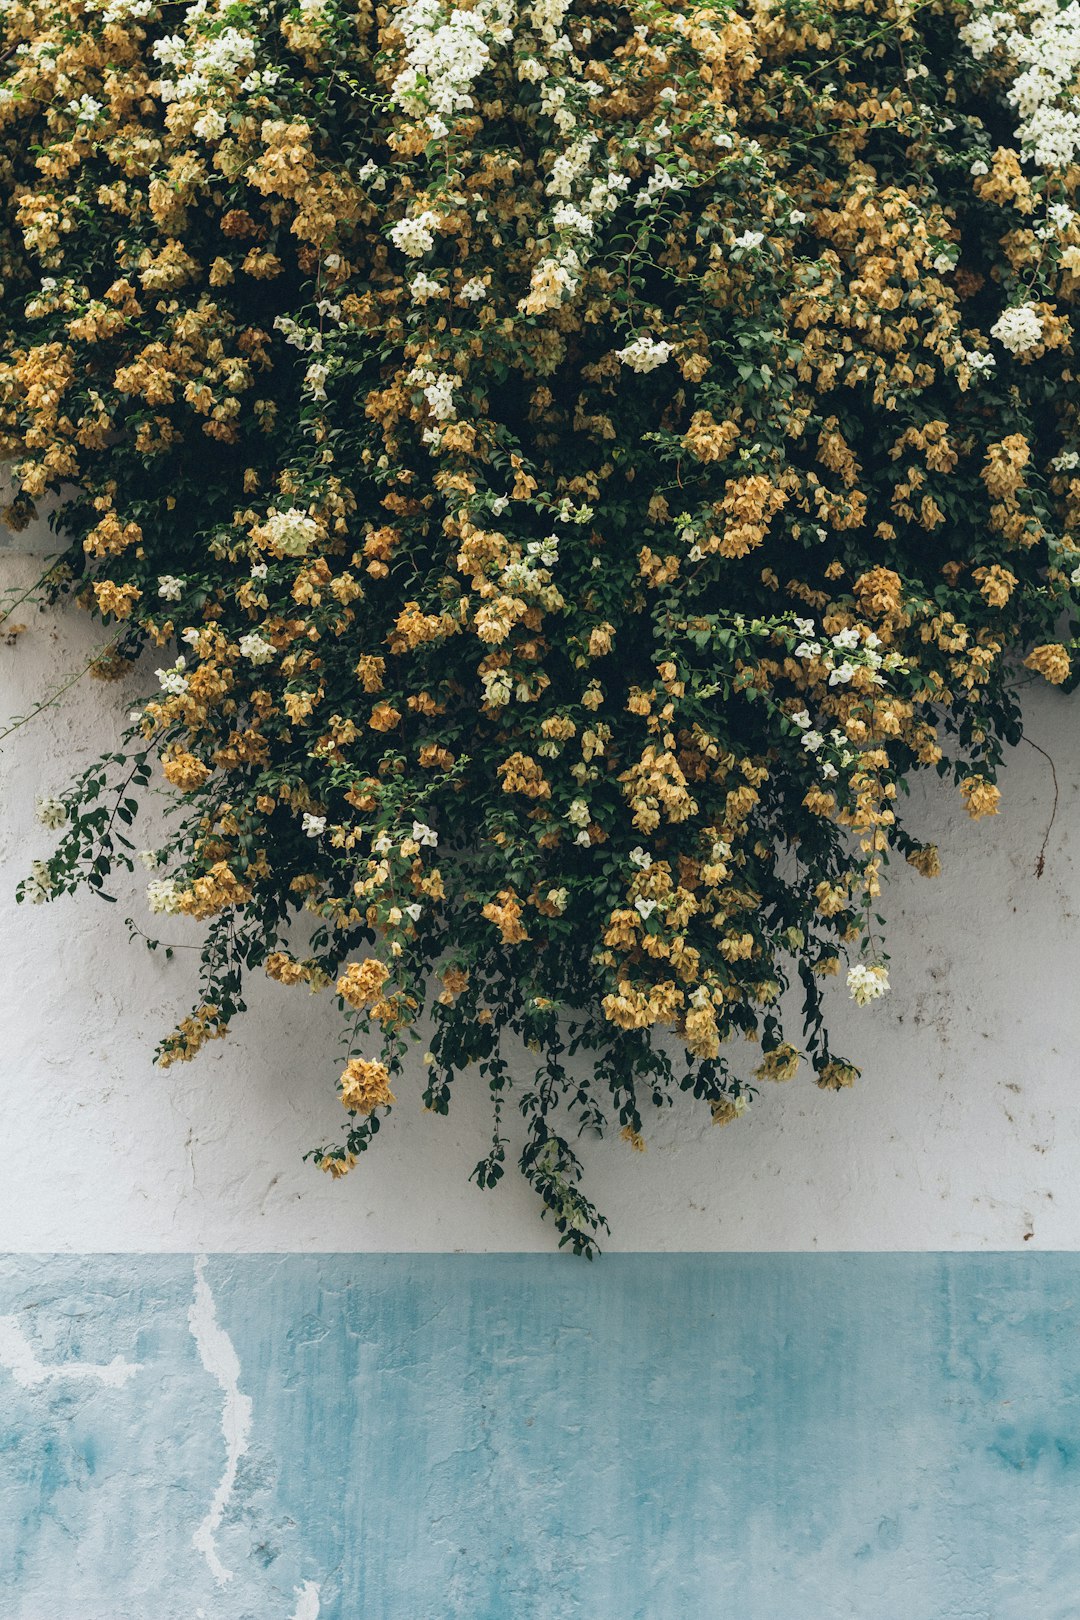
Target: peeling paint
<point>515,1437</point>
<point>18,1357</point>
<point>307,1607</point>
<point>218,1356</point>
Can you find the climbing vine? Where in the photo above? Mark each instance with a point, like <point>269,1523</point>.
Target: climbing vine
<point>572,463</point>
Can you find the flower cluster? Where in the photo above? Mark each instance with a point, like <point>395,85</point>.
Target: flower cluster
<point>572,464</point>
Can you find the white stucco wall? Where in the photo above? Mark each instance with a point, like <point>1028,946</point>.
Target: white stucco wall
<point>964,1132</point>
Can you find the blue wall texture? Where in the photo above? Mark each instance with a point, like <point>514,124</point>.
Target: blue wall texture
<point>521,1437</point>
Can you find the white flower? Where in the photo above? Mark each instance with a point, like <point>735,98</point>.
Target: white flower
<point>315,380</point>
<point>828,769</point>
<point>499,505</point>
<point>640,858</point>
<point>847,639</point>
<point>313,826</point>
<point>1018,329</point>
<point>259,570</point>
<point>644,908</point>
<point>445,55</point>
<point>812,741</point>
<point>50,812</point>
<point>746,242</point>
<point>173,680</point>
<point>842,673</point>
<point>498,689</point>
<point>439,393</point>
<point>256,648</point>
<point>802,719</point>
<point>584,840</point>
<point>211,126</point>
<point>644,354</point>
<point>545,551</point>
<point>163,895</point>
<point>150,858</point>
<point>579,814</point>
<point>1067,461</point>
<point>290,533</point>
<point>424,835</point>
<point>424,287</point>
<point>415,911</point>
<point>297,336</point>
<point>658,183</point>
<point>416,236</point>
<point>38,886</point>
<point>558,898</point>
<point>867,984</point>
<point>85,109</point>
<point>1075,577</point>
<point>569,218</point>
<point>569,166</point>
<point>553,279</point>
<point>383,844</point>
<point>169,588</point>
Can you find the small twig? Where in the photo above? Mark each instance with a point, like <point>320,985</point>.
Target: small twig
<point>11,603</point>
<point>1040,864</point>
<point>135,929</point>
<point>55,695</point>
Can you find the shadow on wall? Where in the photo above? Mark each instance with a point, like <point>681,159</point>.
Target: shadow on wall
<point>960,1134</point>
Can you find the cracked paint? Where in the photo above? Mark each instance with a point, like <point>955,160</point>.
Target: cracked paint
<point>218,1356</point>
<point>516,1437</point>
<point>18,1357</point>
<point>307,1607</point>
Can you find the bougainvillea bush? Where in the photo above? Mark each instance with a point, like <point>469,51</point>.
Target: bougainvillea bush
<point>572,463</point>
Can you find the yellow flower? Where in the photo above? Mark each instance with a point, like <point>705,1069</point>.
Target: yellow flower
<point>337,1164</point>
<point>926,860</point>
<point>981,798</point>
<point>365,1086</point>
<point>285,969</point>
<point>781,1063</point>
<point>1051,661</point>
<point>184,771</point>
<point>836,1075</point>
<point>384,717</point>
<point>116,599</point>
<point>362,982</point>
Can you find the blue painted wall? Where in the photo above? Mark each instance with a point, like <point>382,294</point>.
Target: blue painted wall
<point>654,1437</point>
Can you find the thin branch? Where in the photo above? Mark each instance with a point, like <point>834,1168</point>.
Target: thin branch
<point>54,696</point>
<point>1040,864</point>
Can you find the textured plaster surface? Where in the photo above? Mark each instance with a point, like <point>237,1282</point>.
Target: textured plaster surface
<point>515,1437</point>
<point>963,1133</point>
